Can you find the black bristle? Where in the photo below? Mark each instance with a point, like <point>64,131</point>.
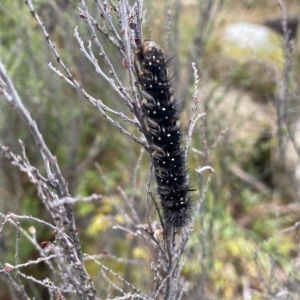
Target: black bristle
<point>163,133</point>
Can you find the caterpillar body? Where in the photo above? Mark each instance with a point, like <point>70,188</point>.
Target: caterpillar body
<point>161,124</point>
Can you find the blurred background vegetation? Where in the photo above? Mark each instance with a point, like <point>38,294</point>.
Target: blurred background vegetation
<point>253,194</point>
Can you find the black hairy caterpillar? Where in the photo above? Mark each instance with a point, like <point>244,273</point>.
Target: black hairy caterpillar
<point>161,126</point>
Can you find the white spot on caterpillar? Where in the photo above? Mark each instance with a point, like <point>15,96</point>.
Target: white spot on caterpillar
<point>166,117</point>
<point>163,108</point>
<point>150,85</point>
<point>168,134</point>
<point>162,92</point>
<point>153,57</point>
<point>150,63</point>
<point>154,111</point>
<point>172,159</point>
